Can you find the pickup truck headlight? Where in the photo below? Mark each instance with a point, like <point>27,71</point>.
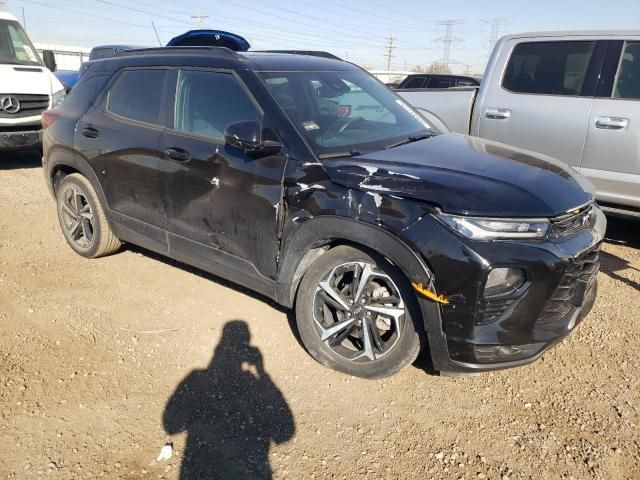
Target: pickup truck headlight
<point>479,228</point>
<point>57,98</point>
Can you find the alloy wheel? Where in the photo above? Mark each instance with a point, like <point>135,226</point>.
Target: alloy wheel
<point>358,311</point>
<point>77,217</point>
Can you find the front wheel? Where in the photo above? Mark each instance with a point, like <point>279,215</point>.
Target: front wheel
<point>354,314</point>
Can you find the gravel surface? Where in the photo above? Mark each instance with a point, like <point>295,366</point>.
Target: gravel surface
<point>105,364</point>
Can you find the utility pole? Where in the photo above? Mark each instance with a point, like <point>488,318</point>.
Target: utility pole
<point>495,23</point>
<point>24,19</point>
<point>199,17</point>
<point>389,54</point>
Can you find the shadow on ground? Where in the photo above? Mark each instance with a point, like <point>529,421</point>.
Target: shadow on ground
<point>620,232</point>
<point>231,411</point>
<point>20,159</point>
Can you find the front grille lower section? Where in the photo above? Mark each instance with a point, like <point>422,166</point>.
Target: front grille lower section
<point>492,309</point>
<point>30,105</point>
<point>572,223</point>
<point>570,292</point>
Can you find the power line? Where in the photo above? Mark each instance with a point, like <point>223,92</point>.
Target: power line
<point>390,48</point>
<point>199,17</point>
<point>495,23</point>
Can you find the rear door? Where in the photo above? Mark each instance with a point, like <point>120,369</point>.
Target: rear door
<point>612,152</point>
<point>121,139</point>
<point>222,204</point>
<point>542,100</point>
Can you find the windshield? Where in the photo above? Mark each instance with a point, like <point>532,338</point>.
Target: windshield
<point>344,111</point>
<point>15,46</point>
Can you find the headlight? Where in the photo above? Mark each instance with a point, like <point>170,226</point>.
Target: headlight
<point>57,98</point>
<point>479,228</point>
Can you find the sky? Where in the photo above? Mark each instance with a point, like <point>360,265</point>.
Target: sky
<point>357,30</point>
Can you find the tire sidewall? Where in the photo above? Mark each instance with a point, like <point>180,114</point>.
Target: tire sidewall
<point>407,347</point>
<point>82,184</point>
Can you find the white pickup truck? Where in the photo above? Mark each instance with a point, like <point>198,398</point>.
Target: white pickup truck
<point>574,96</point>
<point>27,87</point>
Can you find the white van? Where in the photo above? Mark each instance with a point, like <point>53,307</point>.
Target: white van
<point>27,87</point>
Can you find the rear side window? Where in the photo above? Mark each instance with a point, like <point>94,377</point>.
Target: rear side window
<point>137,95</point>
<point>415,82</point>
<point>100,53</point>
<point>548,68</point>
<point>439,82</point>
<point>207,102</point>
<point>627,83</point>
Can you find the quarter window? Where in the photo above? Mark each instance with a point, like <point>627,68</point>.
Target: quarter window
<point>415,82</point>
<point>207,102</point>
<point>548,68</point>
<point>137,94</point>
<point>627,84</point>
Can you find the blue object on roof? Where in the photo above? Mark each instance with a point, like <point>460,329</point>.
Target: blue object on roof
<point>210,38</point>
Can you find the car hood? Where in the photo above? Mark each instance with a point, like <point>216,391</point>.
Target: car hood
<point>467,176</point>
<point>27,80</point>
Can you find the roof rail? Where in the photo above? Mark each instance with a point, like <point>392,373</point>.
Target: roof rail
<point>311,53</point>
<point>216,51</point>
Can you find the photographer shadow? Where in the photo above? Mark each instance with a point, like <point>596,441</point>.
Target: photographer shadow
<point>231,411</point>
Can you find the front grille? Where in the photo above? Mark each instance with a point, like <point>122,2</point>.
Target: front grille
<point>572,223</point>
<point>566,296</point>
<point>35,127</point>
<point>30,105</point>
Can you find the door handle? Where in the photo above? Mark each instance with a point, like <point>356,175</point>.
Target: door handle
<point>612,123</point>
<point>497,113</point>
<point>177,154</point>
<point>90,132</point>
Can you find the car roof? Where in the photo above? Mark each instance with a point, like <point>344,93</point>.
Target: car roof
<point>7,16</point>
<point>220,57</point>
<point>116,47</point>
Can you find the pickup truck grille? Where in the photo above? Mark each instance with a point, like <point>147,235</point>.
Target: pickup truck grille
<point>572,223</point>
<point>570,292</point>
<point>30,105</point>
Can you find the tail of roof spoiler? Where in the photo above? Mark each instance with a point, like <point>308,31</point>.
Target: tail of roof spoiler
<point>210,38</point>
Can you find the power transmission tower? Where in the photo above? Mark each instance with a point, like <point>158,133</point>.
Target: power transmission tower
<point>495,23</point>
<point>447,40</point>
<point>199,17</point>
<point>389,54</point>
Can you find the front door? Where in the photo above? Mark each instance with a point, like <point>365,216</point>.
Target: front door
<point>612,153</point>
<point>543,100</point>
<point>222,203</point>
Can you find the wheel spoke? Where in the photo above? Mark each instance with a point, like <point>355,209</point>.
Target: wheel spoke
<point>393,312</point>
<point>326,298</point>
<point>68,210</point>
<point>368,342</point>
<point>363,281</point>
<point>86,230</point>
<point>75,229</point>
<point>338,327</point>
<point>77,199</point>
<point>326,286</point>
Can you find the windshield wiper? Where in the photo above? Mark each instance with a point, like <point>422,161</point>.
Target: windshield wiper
<point>350,153</point>
<point>411,139</point>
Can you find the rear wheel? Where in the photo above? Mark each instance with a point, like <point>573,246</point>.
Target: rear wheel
<point>82,218</point>
<point>354,314</point>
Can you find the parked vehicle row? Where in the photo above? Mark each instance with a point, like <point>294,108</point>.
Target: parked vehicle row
<point>305,179</point>
<point>574,96</point>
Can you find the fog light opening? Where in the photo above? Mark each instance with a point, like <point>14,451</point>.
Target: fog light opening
<point>503,281</point>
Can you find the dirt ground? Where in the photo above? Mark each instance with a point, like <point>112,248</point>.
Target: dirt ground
<point>104,361</point>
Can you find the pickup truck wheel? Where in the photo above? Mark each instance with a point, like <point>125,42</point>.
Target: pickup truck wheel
<point>354,314</point>
<point>82,218</point>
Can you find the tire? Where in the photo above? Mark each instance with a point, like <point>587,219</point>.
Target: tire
<point>393,340</point>
<point>82,218</point>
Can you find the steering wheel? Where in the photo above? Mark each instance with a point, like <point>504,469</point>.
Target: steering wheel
<point>349,122</point>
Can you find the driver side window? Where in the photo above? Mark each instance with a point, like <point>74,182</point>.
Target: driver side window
<point>206,102</point>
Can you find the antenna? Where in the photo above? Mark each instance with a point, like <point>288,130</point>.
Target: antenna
<point>156,30</point>
<point>199,17</point>
<point>389,53</point>
<point>447,40</point>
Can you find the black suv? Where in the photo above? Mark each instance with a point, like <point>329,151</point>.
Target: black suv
<point>305,179</point>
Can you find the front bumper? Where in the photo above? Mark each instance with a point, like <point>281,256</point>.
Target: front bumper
<point>27,138</point>
<point>560,292</point>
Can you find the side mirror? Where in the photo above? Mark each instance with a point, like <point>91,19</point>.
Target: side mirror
<point>49,59</point>
<point>247,136</point>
